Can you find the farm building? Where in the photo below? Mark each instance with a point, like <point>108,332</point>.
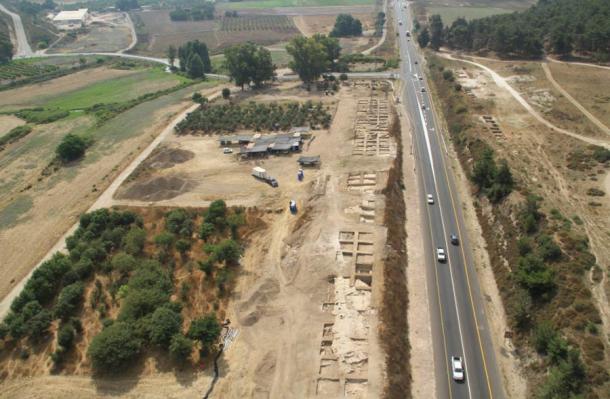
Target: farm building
<point>67,20</point>
<point>260,145</point>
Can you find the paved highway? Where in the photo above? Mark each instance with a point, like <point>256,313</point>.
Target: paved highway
<point>457,315</point>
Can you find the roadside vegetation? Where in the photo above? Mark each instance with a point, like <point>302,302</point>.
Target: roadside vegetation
<point>560,27</point>
<point>124,287</point>
<point>540,260</point>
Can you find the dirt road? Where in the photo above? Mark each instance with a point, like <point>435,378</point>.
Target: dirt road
<point>22,45</point>
<point>502,83</point>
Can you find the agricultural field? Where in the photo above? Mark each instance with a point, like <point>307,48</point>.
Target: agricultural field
<point>41,199</point>
<point>86,88</point>
<point>449,14</point>
<point>156,32</point>
<point>293,3</point>
<point>40,69</point>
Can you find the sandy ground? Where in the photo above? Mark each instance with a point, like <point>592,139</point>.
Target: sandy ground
<point>23,96</point>
<point>8,122</point>
<point>306,301</point>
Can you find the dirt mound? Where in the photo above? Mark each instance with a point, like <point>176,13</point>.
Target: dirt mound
<point>157,188</point>
<point>167,157</point>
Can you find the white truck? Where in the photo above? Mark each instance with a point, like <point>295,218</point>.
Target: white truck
<point>262,174</point>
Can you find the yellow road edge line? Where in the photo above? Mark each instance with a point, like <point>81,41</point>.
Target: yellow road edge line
<point>474,313</point>
<point>438,290</point>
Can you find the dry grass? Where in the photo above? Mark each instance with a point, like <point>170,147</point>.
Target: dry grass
<point>589,86</point>
<point>394,329</point>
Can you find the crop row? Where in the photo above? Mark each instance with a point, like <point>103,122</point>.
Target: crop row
<point>258,22</point>
<point>20,69</point>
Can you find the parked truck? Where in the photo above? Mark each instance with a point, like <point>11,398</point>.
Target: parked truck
<point>262,174</point>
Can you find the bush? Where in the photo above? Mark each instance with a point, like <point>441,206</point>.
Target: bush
<point>226,93</point>
<point>71,148</point>
<point>123,263</point>
<point>206,230</point>
<point>206,330</point>
<point>165,323</point>
<point>228,250</point>
<point>178,221</point>
<point>134,240</point>
<point>547,249</point>
<point>183,246</point>
<point>534,275</point>
<point>65,336</point>
<point>180,348</point>
<point>216,214</point>
<point>114,348</point>
<point>70,298</point>
<point>164,240</point>
<point>42,116</point>
<point>15,134</point>
<point>343,77</point>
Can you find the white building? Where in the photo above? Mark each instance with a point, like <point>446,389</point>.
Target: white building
<point>67,20</point>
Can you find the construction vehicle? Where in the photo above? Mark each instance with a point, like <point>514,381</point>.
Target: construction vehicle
<point>262,174</point>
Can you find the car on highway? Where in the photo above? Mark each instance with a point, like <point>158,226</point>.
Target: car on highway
<point>415,62</point>
<point>423,89</point>
<point>454,239</point>
<point>430,199</point>
<point>457,368</point>
<point>441,256</point>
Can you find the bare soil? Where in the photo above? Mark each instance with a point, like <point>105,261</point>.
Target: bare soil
<point>8,122</point>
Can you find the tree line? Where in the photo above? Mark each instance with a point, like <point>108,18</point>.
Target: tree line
<point>556,26</point>
<point>200,12</point>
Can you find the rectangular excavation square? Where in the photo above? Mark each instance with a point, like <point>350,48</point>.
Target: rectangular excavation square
<point>365,236</point>
<point>365,247</point>
<point>347,246</point>
<point>346,235</point>
<point>329,369</point>
<point>327,387</point>
<point>356,389</point>
<point>364,269</point>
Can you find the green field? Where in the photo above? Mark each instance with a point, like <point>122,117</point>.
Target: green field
<point>450,14</point>
<point>294,3</point>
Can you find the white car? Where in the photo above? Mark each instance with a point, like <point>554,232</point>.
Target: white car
<point>457,368</point>
<point>430,199</point>
<point>227,150</point>
<point>440,254</point>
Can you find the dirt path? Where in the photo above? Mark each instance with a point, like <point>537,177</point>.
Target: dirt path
<point>22,46</point>
<point>578,63</point>
<point>384,34</point>
<point>502,83</point>
<point>593,119</point>
<point>104,200</point>
<point>134,36</point>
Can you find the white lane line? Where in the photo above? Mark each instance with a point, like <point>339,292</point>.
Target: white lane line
<point>429,148</point>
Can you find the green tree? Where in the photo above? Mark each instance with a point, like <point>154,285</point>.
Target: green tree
<point>71,148</point>
<point>206,230</point>
<point>70,298</point>
<point>226,93</point>
<point>228,250</point>
<point>165,323</point>
<point>180,348</point>
<point>65,336</point>
<point>346,25</point>
<point>171,54</point>
<point>123,263</point>
<point>332,48</point>
<point>206,330</point>
<point>183,246</point>
<point>309,59</point>
<point>216,214</point>
<point>134,240</point>
<point>6,50</point>
<point>114,348</point>
<point>436,31</point>
<point>423,38</point>
<point>179,222</point>
<point>534,275</point>
<point>249,63</point>
<point>194,67</point>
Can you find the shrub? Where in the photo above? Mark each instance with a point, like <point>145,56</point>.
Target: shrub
<point>547,249</point>
<point>123,263</point>
<point>69,300</point>
<point>206,330</point>
<point>228,250</point>
<point>180,348</point>
<point>114,348</point>
<point>226,93</point>
<point>71,148</point>
<point>65,336</point>
<point>134,240</point>
<point>183,246</point>
<point>534,275</point>
<point>42,116</point>
<point>165,323</point>
<point>164,240</point>
<point>178,221</point>
<point>206,230</point>
<point>217,213</point>
<point>15,134</point>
